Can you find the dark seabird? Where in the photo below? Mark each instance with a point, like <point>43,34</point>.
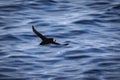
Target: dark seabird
<point>45,40</point>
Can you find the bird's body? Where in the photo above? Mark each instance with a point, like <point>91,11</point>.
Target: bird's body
<point>47,41</point>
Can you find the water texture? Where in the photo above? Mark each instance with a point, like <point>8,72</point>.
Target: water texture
<point>90,27</point>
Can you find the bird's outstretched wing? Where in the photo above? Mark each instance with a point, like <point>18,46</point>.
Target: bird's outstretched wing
<point>56,43</point>
<point>38,34</point>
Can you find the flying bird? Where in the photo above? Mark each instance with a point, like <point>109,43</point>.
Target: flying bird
<point>44,39</point>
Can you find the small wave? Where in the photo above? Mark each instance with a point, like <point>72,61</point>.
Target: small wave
<point>61,78</point>
<point>97,3</point>
<point>84,22</point>
<point>94,50</point>
<point>9,27</point>
<point>113,49</point>
<point>10,78</point>
<point>3,76</point>
<point>50,61</point>
<point>10,8</point>
<point>7,69</point>
<point>7,77</point>
<point>76,56</point>
<point>117,6</point>
<point>74,51</point>
<point>2,53</point>
<point>8,37</point>
<point>21,56</point>
<point>114,10</point>
<point>107,64</point>
<point>18,63</point>
<point>47,1</point>
<point>62,35</point>
<point>78,32</point>
<point>98,60</point>
<point>92,71</point>
<point>117,20</point>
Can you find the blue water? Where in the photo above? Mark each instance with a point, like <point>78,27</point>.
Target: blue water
<point>90,27</point>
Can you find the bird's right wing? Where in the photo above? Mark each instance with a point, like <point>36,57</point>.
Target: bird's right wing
<point>56,43</point>
<point>38,34</point>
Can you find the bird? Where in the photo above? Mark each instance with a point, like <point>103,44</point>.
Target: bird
<point>44,39</point>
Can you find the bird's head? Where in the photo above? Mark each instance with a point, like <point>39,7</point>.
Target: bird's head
<point>53,39</point>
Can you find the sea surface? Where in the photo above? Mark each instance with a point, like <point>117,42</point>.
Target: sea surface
<point>90,27</point>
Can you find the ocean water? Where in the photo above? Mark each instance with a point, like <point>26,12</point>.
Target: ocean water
<point>90,27</point>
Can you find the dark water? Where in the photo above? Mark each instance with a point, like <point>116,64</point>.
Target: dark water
<point>91,27</point>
